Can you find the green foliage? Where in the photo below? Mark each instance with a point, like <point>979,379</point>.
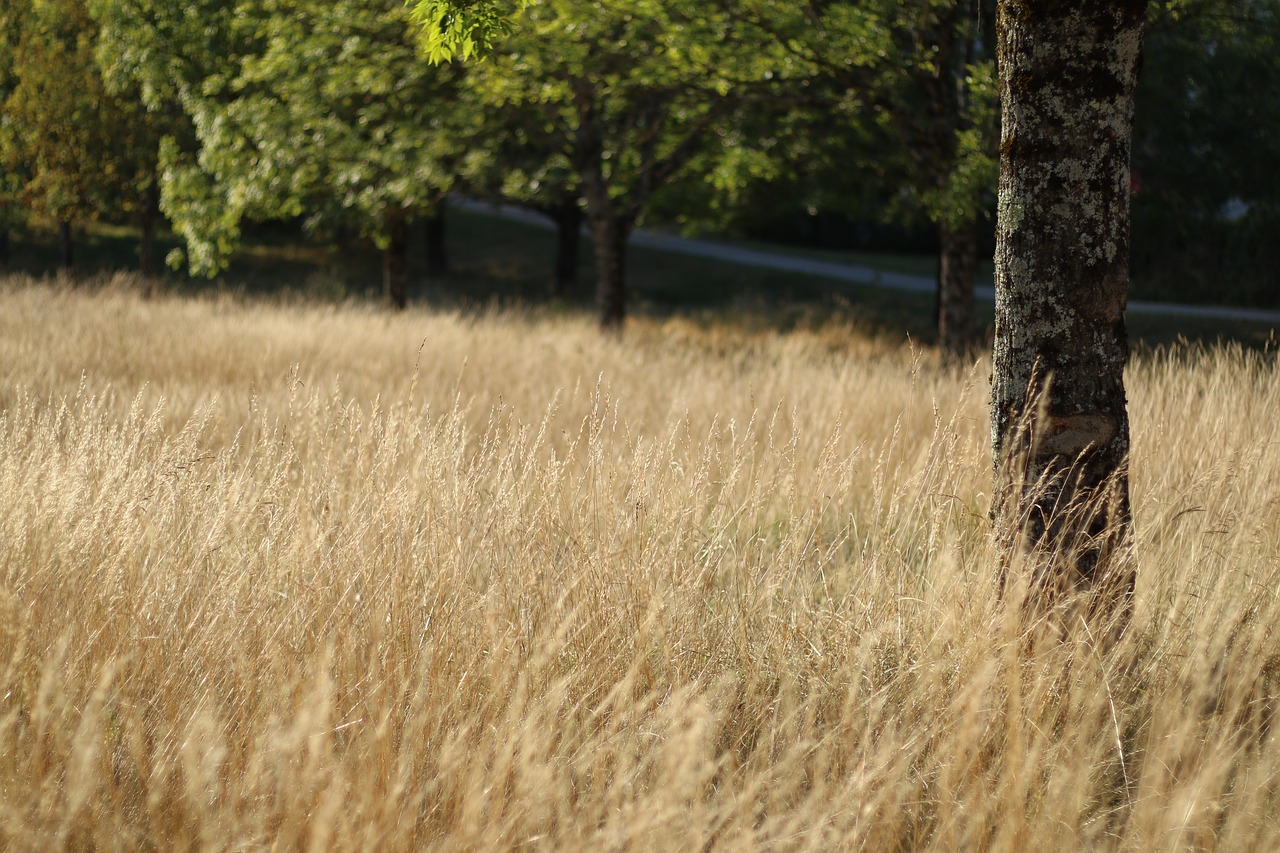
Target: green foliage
<point>516,151</point>
<point>178,57</point>
<point>461,29</point>
<point>966,174</point>
<point>715,113</point>
<point>191,200</point>
<point>11,210</point>
<point>53,110</point>
<point>71,146</point>
<point>1207,205</point>
<point>891,113</point>
<point>636,86</point>
<point>299,109</point>
<point>167,49</point>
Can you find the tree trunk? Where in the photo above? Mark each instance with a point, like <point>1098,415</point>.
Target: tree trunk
<point>957,267</point>
<point>4,248</point>
<point>1060,431</point>
<point>147,244</point>
<point>437,252</point>
<point>395,260</point>
<point>610,238</point>
<point>568,218</point>
<point>609,232</point>
<point>66,253</point>
<point>147,248</point>
<point>610,227</point>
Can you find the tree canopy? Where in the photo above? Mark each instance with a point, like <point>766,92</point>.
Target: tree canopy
<point>222,113</point>
<point>627,94</point>
<point>462,29</point>
<point>1207,201</point>
<point>917,77</point>
<point>73,147</point>
<point>321,112</point>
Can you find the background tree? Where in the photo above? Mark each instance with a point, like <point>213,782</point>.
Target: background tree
<point>73,149</point>
<point>632,91</point>
<point>949,135</point>
<point>177,56</point>
<point>1060,429</point>
<point>11,209</point>
<point>1207,204</point>
<point>337,119</point>
<point>320,112</point>
<point>140,51</point>
<point>912,103</point>
<point>54,115</point>
<point>515,156</point>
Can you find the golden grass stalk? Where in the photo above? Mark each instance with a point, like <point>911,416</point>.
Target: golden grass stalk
<point>289,575</point>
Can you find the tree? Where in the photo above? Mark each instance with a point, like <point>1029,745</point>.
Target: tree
<point>73,150</point>
<point>913,99</point>
<point>168,52</point>
<point>953,125</point>
<point>54,135</point>
<point>11,212</point>
<point>335,118</point>
<point>150,87</point>
<point>1060,430</point>
<point>1059,423</point>
<point>1208,202</point>
<point>632,91</point>
<point>515,155</point>
<point>296,109</point>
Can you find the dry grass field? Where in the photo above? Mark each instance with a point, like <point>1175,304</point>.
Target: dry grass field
<point>285,575</point>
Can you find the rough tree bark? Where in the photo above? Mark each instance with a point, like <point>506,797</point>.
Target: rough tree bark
<point>395,257</point>
<point>1060,431</point>
<point>957,266</point>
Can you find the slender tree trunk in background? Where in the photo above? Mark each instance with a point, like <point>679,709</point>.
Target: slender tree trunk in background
<point>1060,431</point>
<point>437,252</point>
<point>4,248</point>
<point>610,238</point>
<point>568,217</point>
<point>147,245</point>
<point>147,248</point>
<point>66,253</point>
<point>615,204</point>
<point>609,232</point>
<point>395,260</point>
<point>957,267</point>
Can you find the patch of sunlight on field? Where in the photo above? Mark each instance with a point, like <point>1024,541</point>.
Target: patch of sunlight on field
<point>279,575</point>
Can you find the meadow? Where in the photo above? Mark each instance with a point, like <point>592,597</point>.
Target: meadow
<point>283,574</point>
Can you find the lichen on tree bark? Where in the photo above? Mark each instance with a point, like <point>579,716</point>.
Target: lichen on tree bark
<point>1060,430</point>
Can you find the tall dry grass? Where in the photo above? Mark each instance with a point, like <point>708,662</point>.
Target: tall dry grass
<point>301,576</point>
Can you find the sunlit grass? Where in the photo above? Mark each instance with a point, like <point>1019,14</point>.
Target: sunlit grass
<point>285,575</point>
